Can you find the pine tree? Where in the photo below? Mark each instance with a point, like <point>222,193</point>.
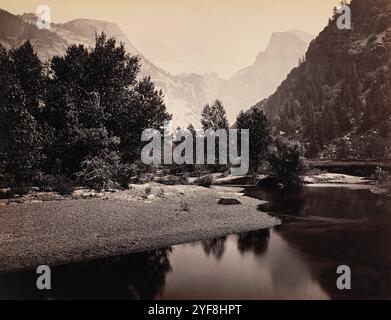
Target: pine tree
<point>214,117</point>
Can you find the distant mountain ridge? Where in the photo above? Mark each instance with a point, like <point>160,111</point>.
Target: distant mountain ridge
<point>185,94</point>
<point>338,101</point>
<point>260,80</point>
<point>180,97</point>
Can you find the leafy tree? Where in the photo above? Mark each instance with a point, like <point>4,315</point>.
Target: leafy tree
<point>84,119</point>
<point>20,134</point>
<point>143,109</point>
<point>96,105</point>
<point>260,134</point>
<point>286,161</point>
<point>29,71</point>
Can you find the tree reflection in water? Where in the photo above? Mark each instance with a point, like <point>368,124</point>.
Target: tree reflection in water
<point>336,226</point>
<point>255,241</point>
<point>215,247</point>
<point>281,202</point>
<point>136,276</point>
<point>330,227</point>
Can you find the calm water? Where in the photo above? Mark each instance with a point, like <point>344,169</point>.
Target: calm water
<point>323,228</point>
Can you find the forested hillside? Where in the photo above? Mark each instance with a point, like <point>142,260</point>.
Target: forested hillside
<point>338,101</point>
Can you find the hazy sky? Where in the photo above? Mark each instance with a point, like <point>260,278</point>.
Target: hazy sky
<point>200,36</point>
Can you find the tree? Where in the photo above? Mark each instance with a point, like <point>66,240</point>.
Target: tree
<point>214,117</point>
<point>143,108</point>
<point>260,134</point>
<point>286,161</point>
<point>29,71</point>
<point>91,108</point>
<point>104,106</point>
<point>20,134</point>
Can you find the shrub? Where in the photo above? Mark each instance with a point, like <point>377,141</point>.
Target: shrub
<point>125,173</point>
<point>6,193</point>
<point>205,181</point>
<point>184,179</point>
<point>147,192</point>
<point>105,172</point>
<point>19,189</point>
<point>286,162</point>
<point>161,193</point>
<point>61,184</point>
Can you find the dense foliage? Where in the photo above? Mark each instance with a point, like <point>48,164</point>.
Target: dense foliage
<point>286,162</point>
<point>81,118</point>
<point>260,135</point>
<point>214,117</point>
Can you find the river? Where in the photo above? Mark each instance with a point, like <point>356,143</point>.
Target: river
<point>323,228</point>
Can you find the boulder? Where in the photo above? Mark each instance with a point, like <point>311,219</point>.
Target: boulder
<point>229,201</point>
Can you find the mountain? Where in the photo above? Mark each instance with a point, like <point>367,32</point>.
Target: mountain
<point>338,101</point>
<point>258,81</point>
<point>14,31</point>
<point>206,86</point>
<point>185,94</point>
<point>181,97</point>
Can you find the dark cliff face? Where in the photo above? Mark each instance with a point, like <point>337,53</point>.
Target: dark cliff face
<point>338,101</point>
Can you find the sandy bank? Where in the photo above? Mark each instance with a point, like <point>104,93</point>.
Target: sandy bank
<point>336,178</point>
<point>146,217</point>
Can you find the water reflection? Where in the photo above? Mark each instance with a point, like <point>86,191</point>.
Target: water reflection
<point>257,265</point>
<point>255,241</point>
<point>297,260</point>
<point>333,226</point>
<point>138,276</point>
<point>331,203</point>
<point>215,247</point>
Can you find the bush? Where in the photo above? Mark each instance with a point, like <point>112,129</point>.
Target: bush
<point>105,172</point>
<point>61,184</point>
<point>6,193</point>
<point>184,179</point>
<point>205,181</point>
<point>161,193</point>
<point>286,162</point>
<point>19,189</point>
<point>147,192</point>
<point>124,175</point>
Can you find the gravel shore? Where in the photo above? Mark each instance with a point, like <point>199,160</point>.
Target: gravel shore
<point>147,217</point>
